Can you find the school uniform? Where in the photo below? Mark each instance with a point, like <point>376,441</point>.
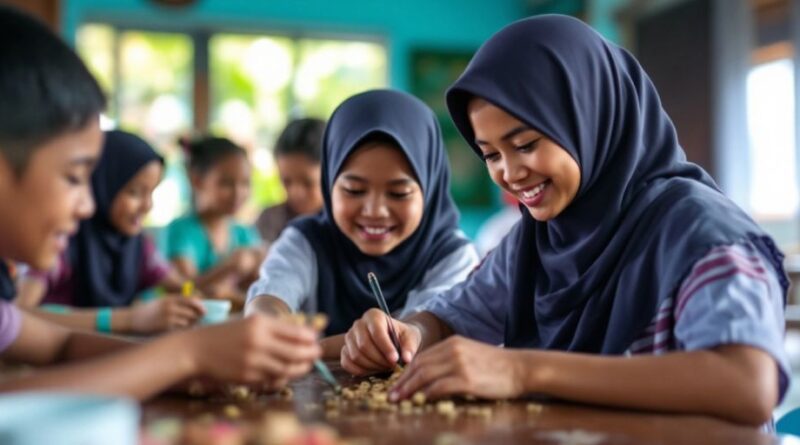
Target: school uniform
<point>313,264</point>
<point>650,256</point>
<point>186,237</point>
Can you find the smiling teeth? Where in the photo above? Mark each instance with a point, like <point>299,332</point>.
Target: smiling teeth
<point>534,191</point>
<point>376,230</point>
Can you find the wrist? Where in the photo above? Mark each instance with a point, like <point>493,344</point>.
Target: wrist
<point>103,320</point>
<point>121,320</point>
<point>529,369</point>
<point>186,352</point>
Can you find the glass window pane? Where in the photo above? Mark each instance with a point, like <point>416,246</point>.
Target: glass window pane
<point>330,71</point>
<point>258,82</point>
<point>770,115</point>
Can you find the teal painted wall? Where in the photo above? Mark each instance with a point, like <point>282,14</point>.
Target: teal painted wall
<point>401,26</point>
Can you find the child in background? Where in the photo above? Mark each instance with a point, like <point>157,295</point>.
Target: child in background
<point>387,210</point>
<point>50,139</point>
<point>109,261</point>
<point>297,155</point>
<point>631,281</point>
<point>208,245</point>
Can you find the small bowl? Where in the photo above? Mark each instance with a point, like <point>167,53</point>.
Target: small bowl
<point>42,417</point>
<point>216,311</point>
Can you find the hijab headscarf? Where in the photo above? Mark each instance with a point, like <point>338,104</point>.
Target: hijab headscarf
<point>592,278</point>
<point>107,263</point>
<point>343,291</point>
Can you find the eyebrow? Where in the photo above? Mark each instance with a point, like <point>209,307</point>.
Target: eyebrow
<point>88,161</point>
<point>510,134</point>
<point>400,181</point>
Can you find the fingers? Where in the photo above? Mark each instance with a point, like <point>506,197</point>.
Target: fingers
<point>289,331</point>
<point>358,362</point>
<point>372,348</point>
<point>193,304</point>
<point>409,341</point>
<point>418,376</point>
<point>351,366</point>
<point>368,346</point>
<point>445,386</point>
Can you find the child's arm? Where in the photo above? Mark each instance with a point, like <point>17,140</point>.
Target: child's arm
<point>735,382</point>
<point>252,350</point>
<point>267,304</point>
<point>30,292</point>
<point>159,315</point>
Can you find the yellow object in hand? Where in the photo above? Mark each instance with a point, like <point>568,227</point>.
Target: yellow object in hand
<point>187,289</point>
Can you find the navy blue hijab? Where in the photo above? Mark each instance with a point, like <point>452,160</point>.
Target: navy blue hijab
<point>343,292</point>
<point>592,278</point>
<point>106,262</point>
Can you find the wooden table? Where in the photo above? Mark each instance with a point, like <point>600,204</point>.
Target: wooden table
<point>510,422</point>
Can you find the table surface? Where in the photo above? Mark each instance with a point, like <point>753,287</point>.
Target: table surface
<point>510,422</point>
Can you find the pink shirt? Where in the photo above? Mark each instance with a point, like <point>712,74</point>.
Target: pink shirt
<point>61,280</point>
<point>10,323</point>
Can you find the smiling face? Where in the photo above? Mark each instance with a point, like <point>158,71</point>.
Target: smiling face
<point>41,206</point>
<point>376,199</point>
<point>538,172</point>
<point>134,200</point>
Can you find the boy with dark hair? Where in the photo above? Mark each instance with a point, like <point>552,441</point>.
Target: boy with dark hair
<point>50,139</point>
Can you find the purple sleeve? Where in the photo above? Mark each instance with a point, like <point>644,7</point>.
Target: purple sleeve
<point>154,267</point>
<point>10,323</point>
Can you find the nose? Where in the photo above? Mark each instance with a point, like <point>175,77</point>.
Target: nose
<point>295,193</point>
<point>375,206</point>
<point>85,206</point>
<point>513,169</point>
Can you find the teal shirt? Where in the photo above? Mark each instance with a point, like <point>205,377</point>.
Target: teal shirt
<point>187,238</point>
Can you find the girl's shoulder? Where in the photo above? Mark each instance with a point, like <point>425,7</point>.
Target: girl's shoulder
<point>184,224</point>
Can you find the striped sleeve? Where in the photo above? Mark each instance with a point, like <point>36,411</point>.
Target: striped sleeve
<point>732,296</point>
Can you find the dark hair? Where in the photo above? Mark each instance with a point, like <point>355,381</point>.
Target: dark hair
<point>45,89</point>
<point>204,153</point>
<point>301,136</point>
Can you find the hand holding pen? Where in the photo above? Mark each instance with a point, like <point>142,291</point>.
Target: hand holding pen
<point>369,347</point>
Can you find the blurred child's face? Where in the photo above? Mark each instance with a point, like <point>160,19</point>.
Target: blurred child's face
<point>225,187</point>
<point>300,176</point>
<point>376,199</point>
<point>40,207</point>
<point>134,200</point>
<point>532,167</point>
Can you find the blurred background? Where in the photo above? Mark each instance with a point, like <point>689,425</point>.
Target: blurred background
<point>724,68</point>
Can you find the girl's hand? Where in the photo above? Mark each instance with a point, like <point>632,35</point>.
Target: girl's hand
<point>368,348</point>
<point>461,366</point>
<point>165,314</point>
<point>245,261</point>
<point>257,349</point>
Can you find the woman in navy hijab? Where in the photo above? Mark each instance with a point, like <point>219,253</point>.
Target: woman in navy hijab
<point>628,264</point>
<point>387,210</point>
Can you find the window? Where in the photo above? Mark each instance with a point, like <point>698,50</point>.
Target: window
<point>252,85</point>
<point>770,121</point>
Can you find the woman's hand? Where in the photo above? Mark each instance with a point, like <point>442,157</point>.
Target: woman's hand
<point>165,314</point>
<point>462,366</point>
<point>368,348</point>
<point>257,349</point>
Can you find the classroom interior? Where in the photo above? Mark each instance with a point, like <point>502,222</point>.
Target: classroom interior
<point>725,70</point>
